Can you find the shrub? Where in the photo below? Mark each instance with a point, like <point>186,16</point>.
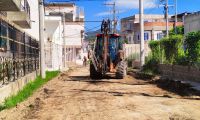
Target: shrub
<point>180,31</point>
<point>173,47</point>
<point>155,49</point>
<point>151,65</point>
<point>192,44</point>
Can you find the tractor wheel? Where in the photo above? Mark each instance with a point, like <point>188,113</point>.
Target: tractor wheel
<point>93,73</point>
<point>121,70</point>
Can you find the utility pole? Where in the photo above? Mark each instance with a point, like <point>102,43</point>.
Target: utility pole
<point>41,35</point>
<point>142,52</point>
<point>166,11</point>
<point>175,1</point>
<point>64,40</point>
<point>114,16</point>
<point>167,18</point>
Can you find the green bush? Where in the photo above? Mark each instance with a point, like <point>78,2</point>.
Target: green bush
<point>180,31</point>
<point>171,51</point>
<point>192,44</point>
<point>155,49</point>
<point>167,50</point>
<point>173,48</point>
<point>151,65</point>
<point>181,60</point>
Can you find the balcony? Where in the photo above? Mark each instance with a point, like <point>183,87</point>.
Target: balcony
<point>10,5</point>
<point>80,14</point>
<point>21,18</point>
<point>68,16</point>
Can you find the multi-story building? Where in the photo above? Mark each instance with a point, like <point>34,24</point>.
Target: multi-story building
<point>154,27</point>
<point>73,28</point>
<point>192,22</point>
<point>19,48</point>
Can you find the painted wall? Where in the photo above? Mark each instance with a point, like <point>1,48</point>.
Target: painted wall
<point>34,17</point>
<point>53,43</point>
<point>73,34</point>
<point>192,22</point>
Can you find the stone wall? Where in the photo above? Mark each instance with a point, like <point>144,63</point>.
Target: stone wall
<point>177,72</point>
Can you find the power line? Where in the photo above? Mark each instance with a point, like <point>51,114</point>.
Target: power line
<point>114,15</point>
<point>74,35</point>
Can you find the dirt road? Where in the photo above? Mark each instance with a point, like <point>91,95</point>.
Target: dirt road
<point>74,96</point>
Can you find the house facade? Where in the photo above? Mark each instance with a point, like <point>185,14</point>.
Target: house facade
<point>154,27</point>
<point>65,23</point>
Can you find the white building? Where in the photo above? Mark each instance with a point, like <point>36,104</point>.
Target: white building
<point>19,35</point>
<point>23,13</point>
<point>53,37</point>
<point>72,38</point>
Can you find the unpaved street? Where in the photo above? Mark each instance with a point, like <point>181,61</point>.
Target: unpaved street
<point>74,96</point>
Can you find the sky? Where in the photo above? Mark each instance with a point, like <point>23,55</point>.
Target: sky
<point>95,10</point>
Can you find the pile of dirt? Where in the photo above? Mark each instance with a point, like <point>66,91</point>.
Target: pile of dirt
<point>178,87</point>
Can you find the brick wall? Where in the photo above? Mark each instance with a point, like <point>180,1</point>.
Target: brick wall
<point>177,72</point>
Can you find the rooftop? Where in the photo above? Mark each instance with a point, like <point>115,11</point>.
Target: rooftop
<point>136,16</point>
<point>60,4</point>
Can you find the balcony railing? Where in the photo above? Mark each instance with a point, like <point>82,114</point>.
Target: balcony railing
<point>26,7</point>
<point>22,17</point>
<point>19,53</point>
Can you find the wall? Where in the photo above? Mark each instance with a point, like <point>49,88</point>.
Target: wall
<point>73,33</point>
<point>53,43</point>
<point>135,49</point>
<point>13,87</point>
<point>192,22</point>
<point>177,72</point>
<point>34,17</point>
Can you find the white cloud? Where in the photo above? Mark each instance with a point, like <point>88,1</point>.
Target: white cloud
<point>134,4</point>
<point>109,12</point>
<point>124,5</point>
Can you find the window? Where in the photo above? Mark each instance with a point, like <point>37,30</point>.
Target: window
<point>159,36</point>
<point>3,39</point>
<point>138,37</point>
<point>129,40</point>
<point>146,36</point>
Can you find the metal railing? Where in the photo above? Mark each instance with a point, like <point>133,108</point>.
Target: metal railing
<point>19,53</point>
<point>26,7</point>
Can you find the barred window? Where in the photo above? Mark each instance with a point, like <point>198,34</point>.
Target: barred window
<point>3,36</point>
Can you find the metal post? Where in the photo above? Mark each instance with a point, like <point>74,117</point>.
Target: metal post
<point>167,18</point>
<point>142,55</point>
<point>41,30</point>
<point>114,18</point>
<point>175,16</point>
<point>64,40</point>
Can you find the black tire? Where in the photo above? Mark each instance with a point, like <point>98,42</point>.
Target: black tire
<point>121,70</point>
<point>93,73</point>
